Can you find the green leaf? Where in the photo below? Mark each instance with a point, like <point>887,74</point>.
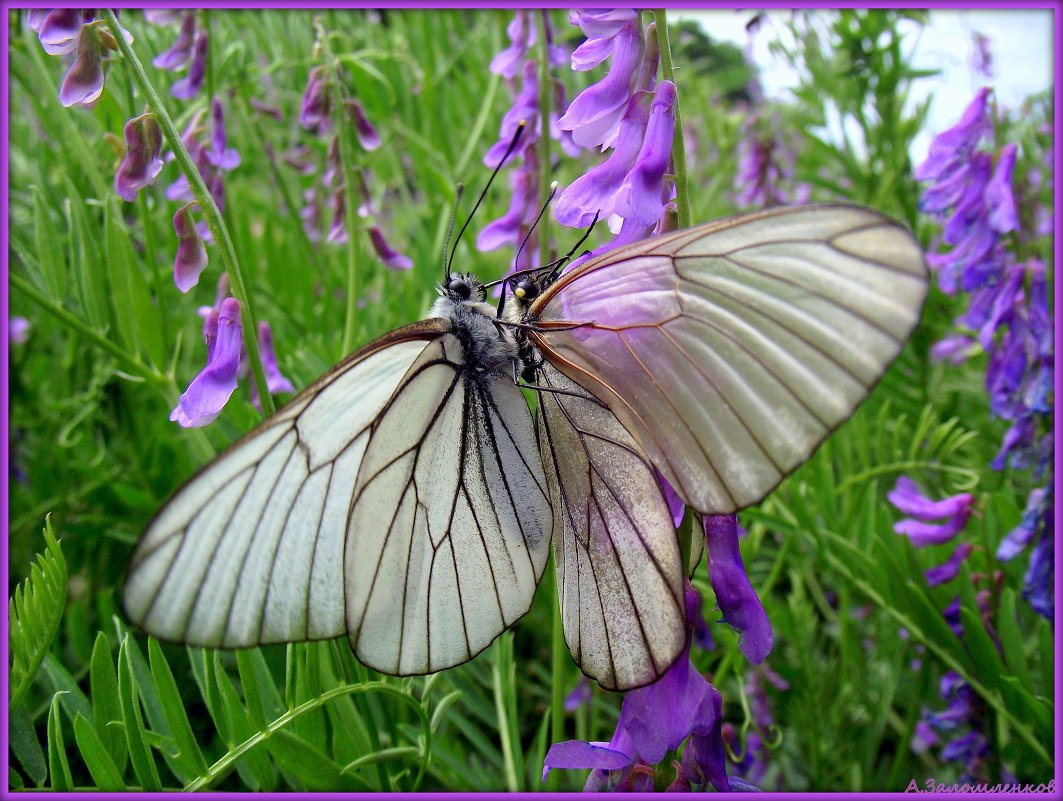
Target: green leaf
<point>136,317</point>
<point>309,766</point>
<point>72,699</point>
<point>102,768</point>
<point>139,754</point>
<point>47,240</point>
<point>254,766</point>
<point>189,755</point>
<point>58,767</point>
<point>106,711</point>
<point>1011,638</point>
<point>89,280</point>
<point>34,614</point>
<point>25,745</point>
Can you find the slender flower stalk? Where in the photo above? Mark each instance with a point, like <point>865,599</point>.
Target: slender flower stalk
<point>206,204</point>
<point>679,156</point>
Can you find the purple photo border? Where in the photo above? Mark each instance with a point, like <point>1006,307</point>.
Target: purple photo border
<point>250,4</point>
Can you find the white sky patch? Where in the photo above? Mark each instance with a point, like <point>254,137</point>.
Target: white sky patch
<point>1021,43</point>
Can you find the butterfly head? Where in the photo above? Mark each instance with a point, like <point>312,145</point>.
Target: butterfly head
<point>462,288</point>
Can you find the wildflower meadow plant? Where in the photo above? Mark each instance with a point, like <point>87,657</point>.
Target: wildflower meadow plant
<point>210,209</point>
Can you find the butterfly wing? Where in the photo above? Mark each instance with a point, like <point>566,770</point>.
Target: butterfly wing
<point>451,523</point>
<point>619,571</point>
<point>250,550</point>
<point>731,350</point>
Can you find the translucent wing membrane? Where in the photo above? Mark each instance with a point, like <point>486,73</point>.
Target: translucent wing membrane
<point>394,461</point>
<point>619,572</point>
<point>451,523</point>
<point>731,350</point>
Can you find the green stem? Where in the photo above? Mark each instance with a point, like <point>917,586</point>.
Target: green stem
<point>130,364</point>
<point>225,763</point>
<point>679,156</point>
<point>207,206</point>
<point>545,86</point>
<point>350,190</point>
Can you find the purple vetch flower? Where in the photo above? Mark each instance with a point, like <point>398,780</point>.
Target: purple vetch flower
<point>275,381</point>
<point>981,55</point>
<point>924,738</point>
<point>954,348</point>
<point>595,191</point>
<point>1037,514</point>
<point>83,83</point>
<point>675,503</point>
<point>391,257</point>
<point>521,32</point>
<point>959,728</point>
<point>949,570</point>
<point>998,195</point>
<point>1038,586</point>
<point>191,258</point>
<point>58,29</point>
<point>641,194</point>
<point>315,110</point>
<point>905,496</point>
<point>581,695</point>
<point>180,51</point>
<point>209,391</point>
<point>594,115</point>
<point>142,162</point>
<point>368,138</point>
<point>525,109</point>
<point>219,154</point>
<point>680,706</point>
<point>954,145</point>
<point>187,87</point>
<point>738,601</point>
<point>18,330</point>
<point>510,228</point>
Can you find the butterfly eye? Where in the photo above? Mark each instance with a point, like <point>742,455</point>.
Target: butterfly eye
<point>526,290</point>
<point>459,287</point>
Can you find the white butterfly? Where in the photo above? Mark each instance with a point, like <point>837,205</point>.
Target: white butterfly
<point>407,501</point>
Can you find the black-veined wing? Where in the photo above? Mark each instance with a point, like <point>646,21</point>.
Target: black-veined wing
<point>619,571</point>
<point>732,349</point>
<point>260,545</point>
<point>451,522</point>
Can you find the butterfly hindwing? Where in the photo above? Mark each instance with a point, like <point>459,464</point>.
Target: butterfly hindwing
<point>450,528</point>
<point>619,571</point>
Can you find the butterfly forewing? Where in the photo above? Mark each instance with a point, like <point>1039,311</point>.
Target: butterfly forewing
<point>250,550</point>
<point>731,350</point>
<point>451,523</point>
<point>619,572</point>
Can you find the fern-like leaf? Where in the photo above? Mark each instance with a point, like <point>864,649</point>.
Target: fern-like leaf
<point>34,612</point>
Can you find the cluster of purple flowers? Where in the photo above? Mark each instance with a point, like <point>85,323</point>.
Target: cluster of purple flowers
<point>212,387</point>
<point>81,39</point>
<point>316,116</point>
<point>72,31</point>
<point>518,60</point>
<point>959,729</point>
<point>766,167</point>
<point>630,112</point>
<point>1007,316</point>
<point>190,50</point>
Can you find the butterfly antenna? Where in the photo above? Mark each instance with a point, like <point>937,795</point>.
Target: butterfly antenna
<point>538,217</point>
<point>458,190</point>
<point>564,259</point>
<point>509,150</point>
